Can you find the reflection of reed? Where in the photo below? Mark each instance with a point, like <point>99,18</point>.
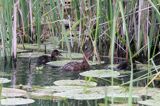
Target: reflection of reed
<point>30,73</point>
<point>14,74</point>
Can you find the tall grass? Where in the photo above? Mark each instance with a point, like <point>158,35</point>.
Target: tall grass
<point>6,27</point>
<point>130,54</point>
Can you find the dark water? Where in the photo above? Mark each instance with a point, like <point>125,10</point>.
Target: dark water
<point>30,75</point>
<point>26,74</point>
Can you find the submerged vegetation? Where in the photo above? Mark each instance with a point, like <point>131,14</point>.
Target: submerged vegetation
<point>116,30</point>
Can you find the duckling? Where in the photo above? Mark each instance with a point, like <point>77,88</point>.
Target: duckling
<point>45,58</point>
<point>123,66</point>
<point>78,66</point>
<point>126,65</point>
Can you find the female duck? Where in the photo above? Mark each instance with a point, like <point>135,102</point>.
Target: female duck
<point>45,58</point>
<point>78,66</point>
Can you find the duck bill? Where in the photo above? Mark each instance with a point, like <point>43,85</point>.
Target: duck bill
<point>60,54</point>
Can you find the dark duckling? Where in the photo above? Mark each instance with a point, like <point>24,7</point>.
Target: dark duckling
<point>78,66</point>
<point>45,58</point>
<point>123,66</point>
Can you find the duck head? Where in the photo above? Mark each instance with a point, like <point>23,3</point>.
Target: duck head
<point>55,53</point>
<point>87,54</point>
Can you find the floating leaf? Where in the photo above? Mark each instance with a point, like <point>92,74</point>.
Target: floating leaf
<point>23,51</point>
<point>149,102</point>
<point>121,105</point>
<point>31,54</point>
<point>118,92</point>
<point>16,101</point>
<point>96,93</point>
<point>103,73</point>
<point>12,92</point>
<point>72,55</point>
<point>4,80</point>
<point>28,87</point>
<point>83,94</point>
<point>50,90</point>
<point>37,47</point>
<point>74,83</point>
<point>148,91</point>
<point>114,66</point>
<point>143,66</point>
<point>63,62</point>
<point>156,97</point>
<point>102,104</point>
<point>41,47</point>
<point>27,46</point>
<point>95,62</point>
<point>5,74</point>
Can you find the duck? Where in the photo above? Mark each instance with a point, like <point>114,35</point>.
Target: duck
<point>45,58</point>
<point>75,66</point>
<point>123,66</point>
<point>126,65</point>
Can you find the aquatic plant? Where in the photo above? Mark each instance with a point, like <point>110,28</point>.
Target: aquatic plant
<point>16,101</point>
<point>75,83</point>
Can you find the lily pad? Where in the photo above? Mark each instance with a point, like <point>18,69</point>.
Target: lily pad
<point>121,105</point>
<point>29,46</point>
<point>49,47</point>
<point>4,80</point>
<point>102,104</point>
<point>72,55</point>
<point>119,92</point>
<point>16,101</point>
<point>143,66</point>
<point>149,102</point>
<point>83,94</point>
<point>63,62</point>
<point>23,51</point>
<point>60,63</point>
<point>74,83</point>
<point>148,91</point>
<point>12,92</point>
<point>97,93</point>
<point>27,87</point>
<point>50,90</point>
<point>114,66</point>
<point>4,74</point>
<point>31,54</point>
<point>103,73</point>
<point>156,97</point>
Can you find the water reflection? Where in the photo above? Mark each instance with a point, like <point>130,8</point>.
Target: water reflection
<point>24,72</point>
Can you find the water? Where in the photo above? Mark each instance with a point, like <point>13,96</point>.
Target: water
<point>27,74</point>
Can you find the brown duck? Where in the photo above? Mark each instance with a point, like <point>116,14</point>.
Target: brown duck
<point>78,66</point>
<point>45,58</point>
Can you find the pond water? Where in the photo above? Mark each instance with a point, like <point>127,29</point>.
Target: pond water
<point>26,74</point>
